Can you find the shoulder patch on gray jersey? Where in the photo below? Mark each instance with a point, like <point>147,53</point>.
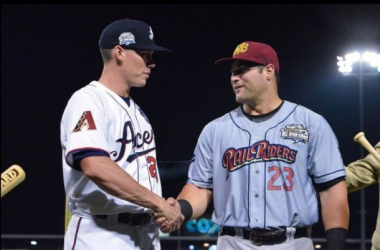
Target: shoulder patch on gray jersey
<point>295,132</point>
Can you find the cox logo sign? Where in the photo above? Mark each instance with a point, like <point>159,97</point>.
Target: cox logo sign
<point>203,226</point>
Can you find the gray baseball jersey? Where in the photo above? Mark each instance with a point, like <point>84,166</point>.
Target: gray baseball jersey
<point>262,173</point>
<point>97,119</point>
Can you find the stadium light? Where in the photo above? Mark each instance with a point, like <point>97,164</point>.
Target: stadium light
<point>347,62</point>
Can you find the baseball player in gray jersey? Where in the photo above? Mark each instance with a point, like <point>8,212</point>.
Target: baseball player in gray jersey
<point>109,160</point>
<point>264,163</point>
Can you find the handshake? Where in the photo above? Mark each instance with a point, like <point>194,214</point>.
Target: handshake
<point>169,218</point>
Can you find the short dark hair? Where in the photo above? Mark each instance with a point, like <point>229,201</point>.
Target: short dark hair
<point>106,55</point>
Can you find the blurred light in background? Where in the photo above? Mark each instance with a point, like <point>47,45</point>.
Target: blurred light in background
<point>345,63</point>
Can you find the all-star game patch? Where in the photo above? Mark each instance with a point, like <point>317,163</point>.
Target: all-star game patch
<point>296,133</point>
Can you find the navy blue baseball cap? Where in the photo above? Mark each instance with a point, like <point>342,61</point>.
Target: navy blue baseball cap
<point>130,34</point>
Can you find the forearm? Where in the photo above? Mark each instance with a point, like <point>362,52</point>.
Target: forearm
<point>112,179</point>
<point>198,198</point>
<point>362,173</point>
<point>334,204</point>
<point>335,215</point>
<point>357,179</point>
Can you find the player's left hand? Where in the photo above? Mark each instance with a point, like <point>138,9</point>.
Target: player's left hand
<point>162,222</point>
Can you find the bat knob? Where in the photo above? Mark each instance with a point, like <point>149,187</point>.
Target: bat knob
<point>358,136</point>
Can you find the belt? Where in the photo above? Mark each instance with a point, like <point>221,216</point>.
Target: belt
<point>138,219</point>
<point>264,237</point>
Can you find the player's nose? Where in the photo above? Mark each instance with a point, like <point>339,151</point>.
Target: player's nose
<point>234,79</point>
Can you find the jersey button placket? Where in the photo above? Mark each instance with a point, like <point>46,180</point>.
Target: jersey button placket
<point>257,183</point>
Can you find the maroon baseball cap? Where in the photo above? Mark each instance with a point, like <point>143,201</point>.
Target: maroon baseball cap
<point>256,52</point>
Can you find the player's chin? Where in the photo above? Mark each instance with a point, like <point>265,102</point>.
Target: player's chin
<point>239,99</point>
<point>140,84</point>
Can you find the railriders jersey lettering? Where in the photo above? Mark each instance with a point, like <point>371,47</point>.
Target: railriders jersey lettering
<point>262,173</point>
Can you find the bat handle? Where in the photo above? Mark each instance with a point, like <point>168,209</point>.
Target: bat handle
<point>360,137</point>
<point>10,178</point>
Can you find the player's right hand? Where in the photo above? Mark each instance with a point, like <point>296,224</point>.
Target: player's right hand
<point>170,218</point>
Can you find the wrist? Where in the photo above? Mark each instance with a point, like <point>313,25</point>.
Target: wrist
<point>336,238</point>
<point>160,206</point>
<point>186,209</point>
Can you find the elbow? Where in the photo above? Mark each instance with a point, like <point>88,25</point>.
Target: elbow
<point>89,168</point>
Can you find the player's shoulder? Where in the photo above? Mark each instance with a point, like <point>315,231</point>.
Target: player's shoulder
<point>221,122</point>
<point>302,110</point>
<point>225,117</point>
<point>91,90</point>
<point>306,116</point>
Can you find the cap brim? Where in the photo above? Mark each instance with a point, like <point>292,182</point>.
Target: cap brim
<point>226,63</point>
<point>154,48</point>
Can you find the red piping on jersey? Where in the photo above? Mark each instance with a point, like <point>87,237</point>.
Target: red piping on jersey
<point>76,233</point>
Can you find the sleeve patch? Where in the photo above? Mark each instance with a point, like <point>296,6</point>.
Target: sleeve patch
<point>86,122</point>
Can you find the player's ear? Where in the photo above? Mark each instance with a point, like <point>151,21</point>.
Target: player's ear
<point>269,71</point>
<point>118,53</point>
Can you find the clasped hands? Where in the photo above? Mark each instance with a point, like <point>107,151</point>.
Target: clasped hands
<point>170,217</point>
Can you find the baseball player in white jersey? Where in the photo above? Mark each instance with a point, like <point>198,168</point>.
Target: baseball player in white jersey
<point>263,164</point>
<point>109,160</point>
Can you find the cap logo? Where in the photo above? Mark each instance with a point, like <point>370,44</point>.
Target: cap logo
<point>241,48</point>
<point>150,33</point>
<point>126,38</point>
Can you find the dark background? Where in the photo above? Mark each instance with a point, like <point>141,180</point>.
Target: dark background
<point>50,51</point>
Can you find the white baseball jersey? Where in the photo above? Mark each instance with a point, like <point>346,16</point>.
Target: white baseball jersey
<point>262,173</point>
<point>97,119</point>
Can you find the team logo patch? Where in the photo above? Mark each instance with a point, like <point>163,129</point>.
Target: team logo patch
<point>241,48</point>
<point>86,122</point>
<point>295,132</point>
<point>150,33</point>
<point>126,38</point>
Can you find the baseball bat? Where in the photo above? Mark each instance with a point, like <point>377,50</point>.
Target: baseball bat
<point>360,137</point>
<point>10,178</point>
